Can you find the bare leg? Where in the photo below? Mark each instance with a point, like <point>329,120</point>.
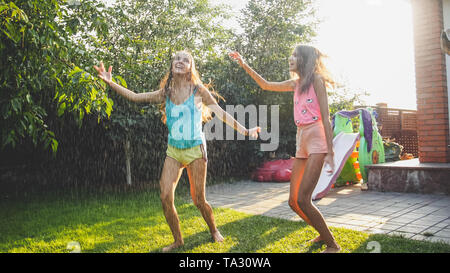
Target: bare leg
<point>197,179</point>
<point>169,178</point>
<point>309,181</point>
<point>298,170</point>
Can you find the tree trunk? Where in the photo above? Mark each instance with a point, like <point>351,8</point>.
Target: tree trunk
<point>128,161</point>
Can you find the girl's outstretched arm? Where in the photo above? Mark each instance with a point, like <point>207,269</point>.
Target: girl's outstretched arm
<point>211,103</point>
<point>283,86</point>
<point>150,97</point>
<point>321,93</point>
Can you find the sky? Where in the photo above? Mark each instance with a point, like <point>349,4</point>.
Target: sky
<point>370,46</point>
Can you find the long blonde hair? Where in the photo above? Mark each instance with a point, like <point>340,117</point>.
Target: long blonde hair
<point>193,76</point>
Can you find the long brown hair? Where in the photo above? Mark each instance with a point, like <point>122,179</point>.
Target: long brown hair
<point>309,64</point>
<point>193,76</point>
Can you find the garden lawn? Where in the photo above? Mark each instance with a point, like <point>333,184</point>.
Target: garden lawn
<point>134,222</point>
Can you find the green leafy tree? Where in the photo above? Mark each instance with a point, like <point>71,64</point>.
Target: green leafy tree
<point>38,50</point>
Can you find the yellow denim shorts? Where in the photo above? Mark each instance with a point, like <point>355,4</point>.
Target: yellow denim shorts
<point>186,156</point>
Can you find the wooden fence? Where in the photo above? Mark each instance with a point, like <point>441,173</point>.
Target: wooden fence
<point>400,125</point>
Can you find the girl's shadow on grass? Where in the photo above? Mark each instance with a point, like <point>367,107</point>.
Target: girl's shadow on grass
<point>251,234</point>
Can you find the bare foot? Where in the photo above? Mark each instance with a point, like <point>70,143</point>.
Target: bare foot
<point>318,239</point>
<point>172,247</point>
<point>217,237</point>
<point>332,249</point>
<point>364,187</point>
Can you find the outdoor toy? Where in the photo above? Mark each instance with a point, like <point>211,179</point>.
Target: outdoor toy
<point>371,149</point>
<point>350,172</point>
<point>392,150</point>
<point>274,171</point>
<point>343,144</point>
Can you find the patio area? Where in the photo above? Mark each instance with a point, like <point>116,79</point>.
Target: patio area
<point>415,216</point>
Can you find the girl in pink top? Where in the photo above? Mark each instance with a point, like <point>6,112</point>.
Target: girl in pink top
<point>314,134</point>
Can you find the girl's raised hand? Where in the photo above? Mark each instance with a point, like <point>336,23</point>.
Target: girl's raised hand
<point>235,55</point>
<point>254,132</point>
<point>106,76</point>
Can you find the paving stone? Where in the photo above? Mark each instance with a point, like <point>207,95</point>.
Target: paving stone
<point>412,229</point>
<point>407,235</point>
<point>409,212</point>
<point>426,210</point>
<point>375,212</point>
<point>368,217</point>
<point>444,202</point>
<point>444,233</point>
<point>381,213</point>
<point>406,218</point>
<point>358,222</point>
<point>421,237</point>
<point>401,205</point>
<point>434,239</point>
<point>375,231</point>
<point>339,219</point>
<point>271,214</point>
<point>432,230</point>
<point>431,220</point>
<point>442,225</point>
<point>442,212</point>
<point>351,215</point>
<point>393,209</point>
<point>411,215</point>
<point>355,227</point>
<point>387,226</point>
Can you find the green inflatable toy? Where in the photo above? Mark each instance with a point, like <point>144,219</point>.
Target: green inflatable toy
<point>370,154</point>
<point>371,149</point>
<point>348,173</point>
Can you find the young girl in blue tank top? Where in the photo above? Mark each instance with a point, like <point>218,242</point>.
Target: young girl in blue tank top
<point>186,102</point>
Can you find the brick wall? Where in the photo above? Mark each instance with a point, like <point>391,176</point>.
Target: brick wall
<point>431,82</point>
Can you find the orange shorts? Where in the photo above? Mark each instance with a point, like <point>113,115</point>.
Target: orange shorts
<point>311,139</point>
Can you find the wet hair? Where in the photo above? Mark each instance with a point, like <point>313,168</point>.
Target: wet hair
<point>193,76</point>
<point>309,65</point>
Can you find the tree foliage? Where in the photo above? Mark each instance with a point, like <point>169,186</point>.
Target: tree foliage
<point>38,54</point>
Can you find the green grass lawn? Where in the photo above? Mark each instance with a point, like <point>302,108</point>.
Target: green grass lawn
<point>134,222</point>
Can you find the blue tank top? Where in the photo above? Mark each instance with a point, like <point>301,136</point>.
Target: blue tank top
<point>184,122</point>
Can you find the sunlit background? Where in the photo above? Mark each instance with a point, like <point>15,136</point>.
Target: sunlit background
<point>370,45</point>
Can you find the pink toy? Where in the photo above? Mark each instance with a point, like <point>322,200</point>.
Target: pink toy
<point>274,171</point>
